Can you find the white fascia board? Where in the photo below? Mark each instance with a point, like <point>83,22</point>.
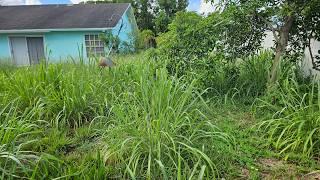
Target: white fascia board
<point>50,30</point>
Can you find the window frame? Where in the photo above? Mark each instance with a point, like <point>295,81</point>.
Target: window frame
<point>94,45</point>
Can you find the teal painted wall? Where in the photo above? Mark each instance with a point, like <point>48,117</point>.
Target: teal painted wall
<point>65,45</point>
<point>128,31</point>
<point>60,46</point>
<point>4,47</point>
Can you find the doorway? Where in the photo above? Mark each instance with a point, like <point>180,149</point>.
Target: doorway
<point>27,50</point>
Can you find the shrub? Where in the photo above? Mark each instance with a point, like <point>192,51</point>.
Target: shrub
<point>145,40</point>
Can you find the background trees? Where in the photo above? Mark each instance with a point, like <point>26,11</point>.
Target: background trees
<point>154,15</point>
<point>293,23</point>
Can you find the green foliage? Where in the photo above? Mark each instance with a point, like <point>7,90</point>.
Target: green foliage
<point>111,41</point>
<point>171,7</point>
<point>212,62</point>
<point>153,15</point>
<point>145,40</point>
<point>166,12</point>
<point>192,56</point>
<point>196,36</point>
<point>179,36</point>
<point>161,22</point>
<point>78,121</point>
<point>294,125</point>
<point>271,15</point>
<point>292,22</point>
<point>147,125</point>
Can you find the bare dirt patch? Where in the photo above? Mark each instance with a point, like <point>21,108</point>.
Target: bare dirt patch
<point>312,176</point>
<point>272,168</point>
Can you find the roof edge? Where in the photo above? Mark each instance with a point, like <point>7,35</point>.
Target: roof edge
<point>53,30</point>
<point>128,6</point>
<point>58,5</point>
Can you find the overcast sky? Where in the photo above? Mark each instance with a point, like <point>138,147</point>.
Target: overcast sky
<point>194,5</point>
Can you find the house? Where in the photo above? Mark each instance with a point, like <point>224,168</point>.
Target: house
<point>55,33</point>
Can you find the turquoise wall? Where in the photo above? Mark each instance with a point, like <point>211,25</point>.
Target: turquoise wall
<point>63,45</point>
<point>128,30</point>
<point>4,47</point>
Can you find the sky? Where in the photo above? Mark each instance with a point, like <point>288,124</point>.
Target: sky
<point>199,6</point>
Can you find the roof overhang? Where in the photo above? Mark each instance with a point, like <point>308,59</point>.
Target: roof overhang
<point>51,30</point>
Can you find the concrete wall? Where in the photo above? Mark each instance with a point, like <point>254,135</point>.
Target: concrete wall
<point>307,66</point>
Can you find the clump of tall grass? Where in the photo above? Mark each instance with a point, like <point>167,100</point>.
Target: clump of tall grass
<point>149,124</point>
<point>157,130</point>
<point>69,90</point>
<point>295,124</point>
<point>240,79</point>
<point>18,131</point>
<point>253,74</point>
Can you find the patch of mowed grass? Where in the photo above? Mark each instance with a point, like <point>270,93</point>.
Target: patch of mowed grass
<point>80,121</point>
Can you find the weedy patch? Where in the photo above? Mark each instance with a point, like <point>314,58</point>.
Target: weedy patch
<point>133,121</point>
<point>138,121</point>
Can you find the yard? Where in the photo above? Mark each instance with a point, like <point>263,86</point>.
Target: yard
<point>231,94</point>
<point>136,121</point>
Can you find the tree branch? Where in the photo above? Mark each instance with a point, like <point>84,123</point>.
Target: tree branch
<point>270,26</point>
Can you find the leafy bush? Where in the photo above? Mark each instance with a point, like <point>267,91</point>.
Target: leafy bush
<point>192,56</point>
<point>145,40</point>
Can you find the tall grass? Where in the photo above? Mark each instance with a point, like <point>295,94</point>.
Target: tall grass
<point>236,80</point>
<point>143,123</point>
<point>295,124</point>
<point>18,132</point>
<point>159,131</point>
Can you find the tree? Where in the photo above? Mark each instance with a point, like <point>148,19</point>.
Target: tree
<point>291,21</point>
<point>144,12</point>
<point>170,7</point>
<point>166,11</point>
<point>161,22</point>
<point>152,14</point>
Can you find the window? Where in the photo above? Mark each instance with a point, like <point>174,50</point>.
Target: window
<point>94,45</point>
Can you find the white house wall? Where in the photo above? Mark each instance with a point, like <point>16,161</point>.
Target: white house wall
<point>306,64</point>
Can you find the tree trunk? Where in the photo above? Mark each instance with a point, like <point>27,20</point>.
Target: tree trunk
<point>276,63</point>
<point>280,48</point>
